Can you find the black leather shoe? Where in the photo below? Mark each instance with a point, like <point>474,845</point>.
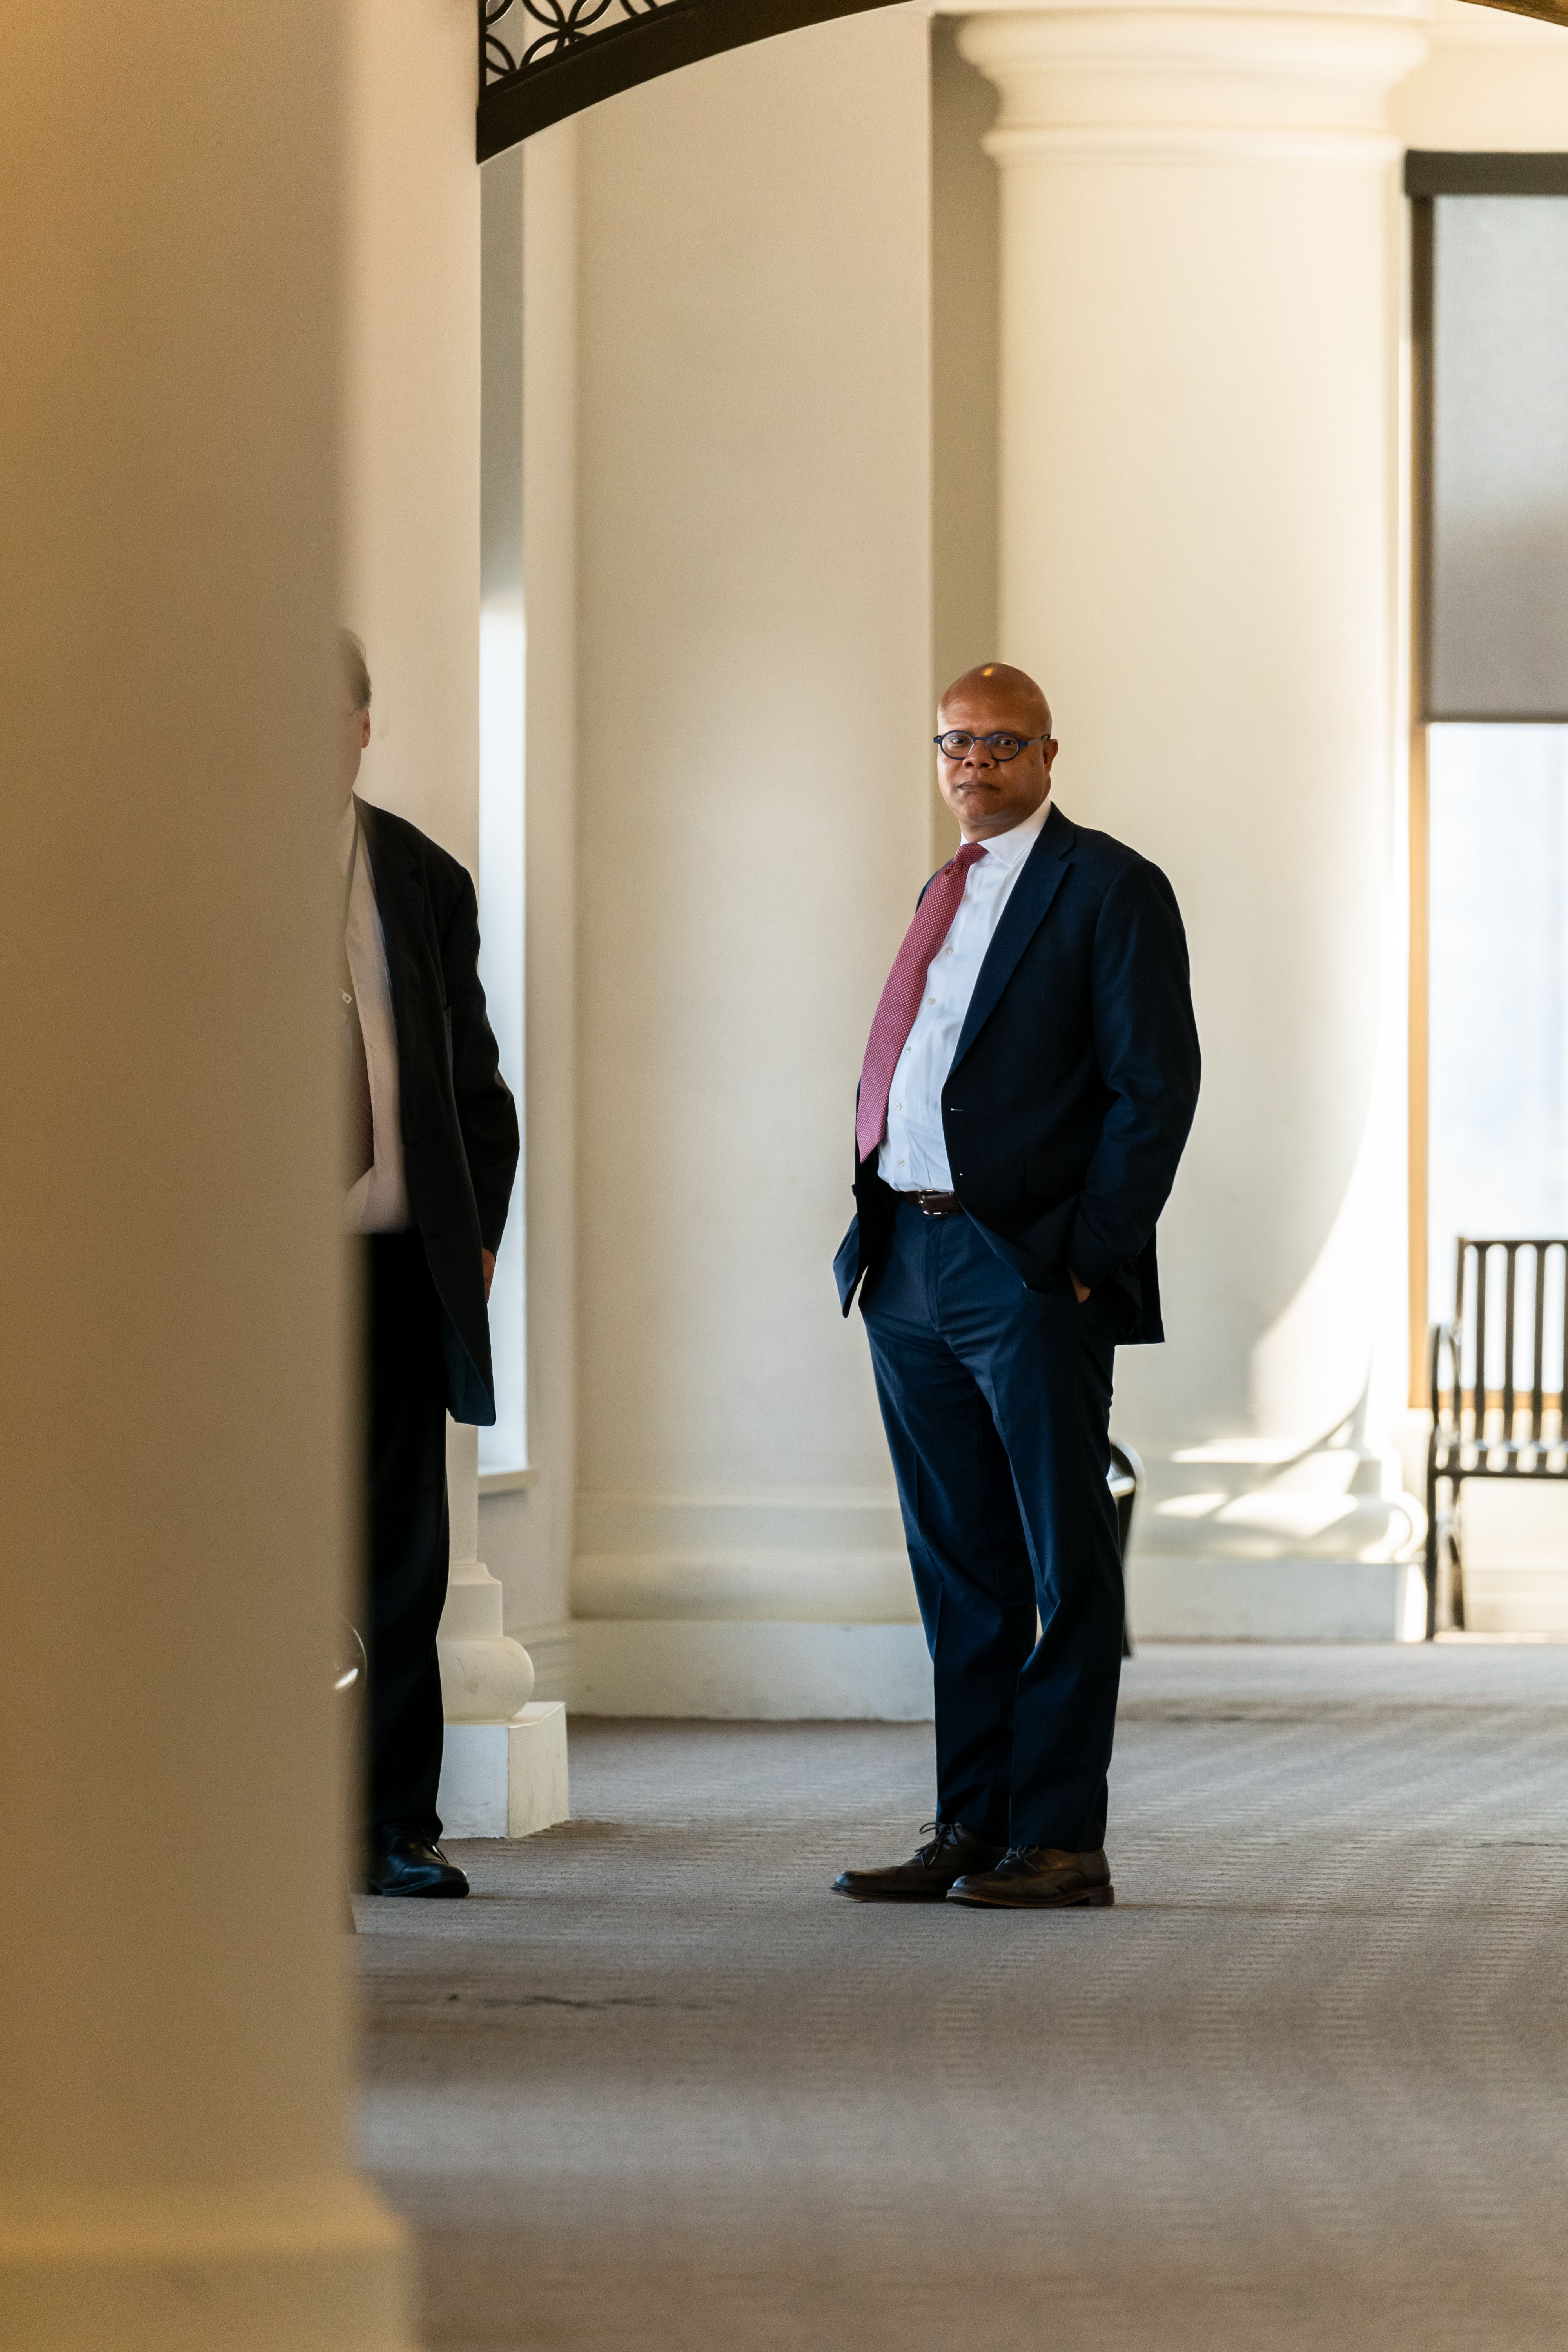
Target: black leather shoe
<point>1038,1878</point>
<point>927,1876</point>
<point>408,1865</point>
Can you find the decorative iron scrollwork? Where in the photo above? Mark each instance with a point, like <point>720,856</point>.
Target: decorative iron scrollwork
<point>540,30</point>
<point>542,60</point>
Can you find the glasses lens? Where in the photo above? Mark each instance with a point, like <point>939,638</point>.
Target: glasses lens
<point>958,745</point>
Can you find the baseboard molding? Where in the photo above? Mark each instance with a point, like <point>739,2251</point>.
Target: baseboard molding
<point>815,1556</point>
<point>798,1606</point>
<point>784,1672</point>
<point>768,1585</point>
<point>790,1672</point>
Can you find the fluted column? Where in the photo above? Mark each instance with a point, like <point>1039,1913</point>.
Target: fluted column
<point>1198,554</point>
<point>175,2029</point>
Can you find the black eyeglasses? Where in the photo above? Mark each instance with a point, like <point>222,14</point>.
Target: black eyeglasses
<point>957,745</point>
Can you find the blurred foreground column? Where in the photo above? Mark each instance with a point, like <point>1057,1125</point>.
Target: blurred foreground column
<point>174,2053</point>
<point>1198,503</point>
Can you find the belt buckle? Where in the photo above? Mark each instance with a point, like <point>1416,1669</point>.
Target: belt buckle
<point>938,1204</point>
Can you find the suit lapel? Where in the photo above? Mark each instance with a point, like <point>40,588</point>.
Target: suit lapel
<point>1021,918</point>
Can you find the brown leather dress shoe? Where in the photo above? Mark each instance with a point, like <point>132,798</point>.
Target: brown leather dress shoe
<point>928,1874</point>
<point>1038,1878</point>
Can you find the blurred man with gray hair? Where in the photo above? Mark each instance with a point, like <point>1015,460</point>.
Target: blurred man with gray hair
<point>432,1143</point>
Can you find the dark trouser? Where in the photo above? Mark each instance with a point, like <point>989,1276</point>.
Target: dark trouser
<point>997,1401</point>
<point>405,1427</point>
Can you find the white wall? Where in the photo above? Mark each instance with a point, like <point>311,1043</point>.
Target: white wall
<point>965,333</point>
<point>753,688</point>
<point>411,571</point>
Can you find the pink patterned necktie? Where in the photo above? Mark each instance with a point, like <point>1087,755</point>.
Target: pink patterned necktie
<point>901,997</point>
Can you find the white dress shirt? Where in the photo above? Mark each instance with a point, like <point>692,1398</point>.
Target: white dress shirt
<point>913,1156</point>
<point>378,1204</point>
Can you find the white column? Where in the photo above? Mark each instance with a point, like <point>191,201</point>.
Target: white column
<point>540,1584</point>
<point>754,637</point>
<point>175,2088</point>
<point>1198,499</point>
<point>529,620</point>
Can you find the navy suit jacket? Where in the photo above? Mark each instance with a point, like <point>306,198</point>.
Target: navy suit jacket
<point>460,1123</point>
<point>1074,1080</point>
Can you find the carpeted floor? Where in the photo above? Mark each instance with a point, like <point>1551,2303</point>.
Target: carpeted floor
<point>654,2087</point>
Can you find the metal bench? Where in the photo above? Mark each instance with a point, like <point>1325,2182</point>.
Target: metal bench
<point>1497,1374</point>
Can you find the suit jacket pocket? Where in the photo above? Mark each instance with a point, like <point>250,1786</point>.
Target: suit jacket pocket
<point>1044,1242</point>
<point>847,1264</point>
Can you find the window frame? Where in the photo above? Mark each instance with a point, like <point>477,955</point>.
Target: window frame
<point>1428,174</point>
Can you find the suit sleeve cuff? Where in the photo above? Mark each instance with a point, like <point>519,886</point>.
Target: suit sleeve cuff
<point>1087,1256</point>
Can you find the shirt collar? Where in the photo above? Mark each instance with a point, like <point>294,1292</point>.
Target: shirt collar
<point>345,836</point>
<point>1010,849</point>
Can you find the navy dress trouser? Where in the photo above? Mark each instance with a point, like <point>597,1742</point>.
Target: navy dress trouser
<point>408,1542</point>
<point>997,1401</point>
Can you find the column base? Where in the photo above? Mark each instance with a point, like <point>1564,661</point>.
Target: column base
<point>1270,1540</point>
<point>307,2266</point>
<point>505,1779</point>
<point>1177,1598</point>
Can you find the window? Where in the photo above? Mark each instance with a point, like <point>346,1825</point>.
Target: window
<point>1490,764</point>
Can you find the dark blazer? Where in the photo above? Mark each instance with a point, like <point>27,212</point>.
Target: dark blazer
<point>1074,1080</point>
<point>460,1123</point>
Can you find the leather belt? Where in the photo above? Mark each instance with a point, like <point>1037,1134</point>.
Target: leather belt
<point>939,1205</point>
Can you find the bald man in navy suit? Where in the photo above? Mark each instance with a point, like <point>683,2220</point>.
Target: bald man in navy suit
<point>1028,1087</point>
